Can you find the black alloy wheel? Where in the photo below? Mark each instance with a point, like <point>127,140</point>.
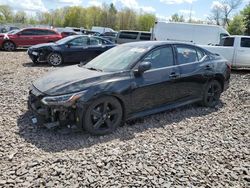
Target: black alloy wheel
<point>212,94</point>
<point>9,46</point>
<point>55,59</point>
<point>103,116</point>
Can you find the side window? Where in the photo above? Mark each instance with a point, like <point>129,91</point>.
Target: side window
<point>48,32</point>
<point>161,58</point>
<point>245,42</point>
<point>145,36</point>
<point>186,55</point>
<point>229,41</point>
<point>27,32</point>
<point>41,32</point>
<point>200,54</point>
<point>95,41</point>
<point>128,35</point>
<point>80,41</point>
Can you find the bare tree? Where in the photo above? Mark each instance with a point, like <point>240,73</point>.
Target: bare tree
<point>216,15</point>
<point>227,7</point>
<point>221,11</point>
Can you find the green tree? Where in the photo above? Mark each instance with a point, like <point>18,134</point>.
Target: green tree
<point>20,17</point>
<point>146,22</point>
<point>236,26</point>
<point>246,18</point>
<point>177,18</point>
<point>6,13</point>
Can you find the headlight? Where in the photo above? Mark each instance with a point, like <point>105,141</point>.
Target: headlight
<point>66,100</point>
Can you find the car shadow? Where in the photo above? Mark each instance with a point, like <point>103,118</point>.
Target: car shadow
<point>57,140</point>
<point>31,64</point>
<point>17,50</point>
<point>241,71</point>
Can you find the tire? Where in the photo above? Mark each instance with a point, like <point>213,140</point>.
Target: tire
<point>103,116</point>
<point>55,59</point>
<point>35,61</point>
<point>212,93</point>
<point>9,46</point>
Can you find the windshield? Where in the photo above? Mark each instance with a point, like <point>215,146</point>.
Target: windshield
<point>116,59</point>
<point>13,31</point>
<point>65,40</point>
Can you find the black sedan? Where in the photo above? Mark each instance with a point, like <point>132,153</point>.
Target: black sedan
<point>126,82</point>
<point>72,49</point>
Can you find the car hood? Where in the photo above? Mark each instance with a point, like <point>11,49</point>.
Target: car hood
<point>43,45</point>
<point>69,80</point>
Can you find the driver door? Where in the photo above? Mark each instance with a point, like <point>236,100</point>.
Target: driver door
<point>76,49</point>
<point>156,86</point>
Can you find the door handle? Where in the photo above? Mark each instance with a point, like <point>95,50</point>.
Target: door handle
<point>174,75</point>
<point>208,67</point>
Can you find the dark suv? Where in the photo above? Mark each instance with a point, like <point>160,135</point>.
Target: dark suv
<point>129,81</point>
<point>27,37</point>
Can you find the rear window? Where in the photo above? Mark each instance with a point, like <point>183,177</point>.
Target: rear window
<point>229,41</point>
<point>128,35</point>
<point>245,42</point>
<point>145,36</point>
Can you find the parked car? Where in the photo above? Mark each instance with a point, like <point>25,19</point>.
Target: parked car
<point>12,31</point>
<point>236,49</point>
<point>109,35</point>
<point>132,36</point>
<point>27,37</point>
<point>101,30</point>
<point>202,34</point>
<point>127,82</point>
<point>67,33</point>
<point>76,48</point>
<point>89,32</point>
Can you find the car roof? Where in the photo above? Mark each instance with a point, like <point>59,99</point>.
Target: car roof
<point>38,28</point>
<point>153,44</point>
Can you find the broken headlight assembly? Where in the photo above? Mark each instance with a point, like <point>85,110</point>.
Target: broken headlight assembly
<point>65,100</point>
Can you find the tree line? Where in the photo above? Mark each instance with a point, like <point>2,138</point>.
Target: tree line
<point>127,18</point>
<point>77,16</point>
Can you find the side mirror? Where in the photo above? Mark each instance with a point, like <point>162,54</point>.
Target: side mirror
<point>144,66</point>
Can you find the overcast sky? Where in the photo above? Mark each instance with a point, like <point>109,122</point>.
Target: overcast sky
<point>161,8</point>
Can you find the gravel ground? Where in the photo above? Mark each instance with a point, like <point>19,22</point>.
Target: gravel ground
<point>187,147</point>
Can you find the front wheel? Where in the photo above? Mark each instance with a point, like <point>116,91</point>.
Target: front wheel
<point>103,116</point>
<point>55,59</point>
<point>9,46</point>
<point>212,94</point>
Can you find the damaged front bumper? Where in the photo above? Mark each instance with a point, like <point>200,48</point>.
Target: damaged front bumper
<point>52,116</point>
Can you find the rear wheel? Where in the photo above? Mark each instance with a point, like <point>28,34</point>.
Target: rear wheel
<point>9,46</point>
<point>55,59</point>
<point>103,116</point>
<point>212,94</point>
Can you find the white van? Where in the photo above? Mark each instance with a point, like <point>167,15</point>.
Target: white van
<point>125,36</point>
<point>185,32</point>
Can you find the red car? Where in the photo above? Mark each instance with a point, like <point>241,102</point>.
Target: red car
<point>27,37</point>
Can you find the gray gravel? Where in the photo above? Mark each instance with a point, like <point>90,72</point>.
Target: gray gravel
<point>187,147</point>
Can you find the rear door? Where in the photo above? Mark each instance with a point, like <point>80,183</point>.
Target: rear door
<point>193,73</point>
<point>243,53</point>
<point>156,86</point>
